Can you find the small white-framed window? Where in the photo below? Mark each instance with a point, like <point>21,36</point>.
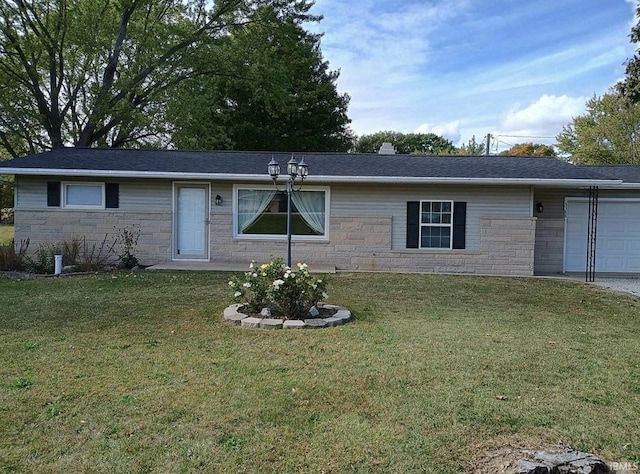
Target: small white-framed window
<point>261,212</point>
<point>83,195</point>
<point>436,224</point>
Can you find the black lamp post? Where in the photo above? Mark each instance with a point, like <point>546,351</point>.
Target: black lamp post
<point>295,171</point>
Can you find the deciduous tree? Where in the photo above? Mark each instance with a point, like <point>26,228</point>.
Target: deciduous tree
<point>277,92</point>
<point>530,149</point>
<point>608,132</point>
<point>97,72</point>
<point>409,143</point>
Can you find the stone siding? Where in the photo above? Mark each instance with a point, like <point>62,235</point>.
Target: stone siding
<point>549,246</point>
<point>356,243</point>
<point>364,244</point>
<point>53,226</point>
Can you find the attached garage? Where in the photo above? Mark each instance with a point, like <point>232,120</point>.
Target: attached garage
<point>618,235</point>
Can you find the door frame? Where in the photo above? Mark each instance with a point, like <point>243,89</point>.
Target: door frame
<point>206,224</point>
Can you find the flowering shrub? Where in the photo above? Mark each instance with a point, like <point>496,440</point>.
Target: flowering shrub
<point>288,292</point>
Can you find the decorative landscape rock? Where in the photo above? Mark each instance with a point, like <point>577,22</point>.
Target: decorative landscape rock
<point>233,315</point>
<point>251,322</point>
<point>316,323</point>
<point>268,323</point>
<point>293,324</point>
<point>568,461</point>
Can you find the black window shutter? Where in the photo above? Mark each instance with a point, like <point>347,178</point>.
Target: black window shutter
<point>459,224</point>
<point>413,224</point>
<point>53,193</point>
<point>112,195</point>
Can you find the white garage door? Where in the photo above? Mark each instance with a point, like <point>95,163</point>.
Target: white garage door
<point>618,236</point>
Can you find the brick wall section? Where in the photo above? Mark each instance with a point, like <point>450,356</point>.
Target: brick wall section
<point>53,226</point>
<point>356,243</point>
<point>364,244</point>
<point>549,246</point>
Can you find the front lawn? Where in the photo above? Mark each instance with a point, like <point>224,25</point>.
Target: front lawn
<point>136,372</point>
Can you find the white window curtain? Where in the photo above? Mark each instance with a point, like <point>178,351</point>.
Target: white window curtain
<point>251,204</point>
<point>310,205</point>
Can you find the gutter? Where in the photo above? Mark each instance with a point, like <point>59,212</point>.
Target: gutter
<point>312,179</point>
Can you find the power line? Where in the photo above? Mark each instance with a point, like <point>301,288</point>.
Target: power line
<point>522,136</point>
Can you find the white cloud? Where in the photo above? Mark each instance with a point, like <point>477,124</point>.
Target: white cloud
<point>450,130</point>
<point>543,118</point>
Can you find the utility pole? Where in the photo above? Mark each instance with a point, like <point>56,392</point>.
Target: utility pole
<point>488,143</point>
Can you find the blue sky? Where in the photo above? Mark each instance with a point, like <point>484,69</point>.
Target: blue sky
<point>518,69</point>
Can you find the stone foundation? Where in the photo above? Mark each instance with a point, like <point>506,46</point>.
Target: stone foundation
<point>355,243</point>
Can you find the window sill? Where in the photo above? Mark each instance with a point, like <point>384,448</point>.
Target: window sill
<point>269,238</point>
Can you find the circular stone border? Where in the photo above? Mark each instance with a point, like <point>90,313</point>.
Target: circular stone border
<point>234,317</point>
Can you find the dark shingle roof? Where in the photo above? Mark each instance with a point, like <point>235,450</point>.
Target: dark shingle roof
<point>627,173</point>
<point>337,165</point>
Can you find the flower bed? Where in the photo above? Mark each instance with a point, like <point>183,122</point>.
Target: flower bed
<point>286,293</point>
<point>275,296</point>
<point>233,314</point>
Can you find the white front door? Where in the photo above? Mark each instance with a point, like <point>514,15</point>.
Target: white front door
<point>191,222</point>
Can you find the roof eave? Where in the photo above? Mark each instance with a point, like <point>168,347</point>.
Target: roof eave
<point>311,179</point>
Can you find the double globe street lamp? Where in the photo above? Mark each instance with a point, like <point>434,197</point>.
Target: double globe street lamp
<point>296,174</point>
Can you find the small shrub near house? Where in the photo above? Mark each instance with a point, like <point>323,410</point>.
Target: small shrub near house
<point>127,240</point>
<point>289,293</point>
<point>12,256</point>
<point>77,254</point>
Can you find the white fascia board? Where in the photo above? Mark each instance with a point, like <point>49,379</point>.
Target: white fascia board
<point>312,179</point>
<point>623,186</point>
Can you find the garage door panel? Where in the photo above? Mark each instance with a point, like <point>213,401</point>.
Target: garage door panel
<point>612,227</point>
<point>614,245</point>
<point>618,236</point>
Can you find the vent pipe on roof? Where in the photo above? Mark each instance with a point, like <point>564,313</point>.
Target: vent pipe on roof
<point>387,149</point>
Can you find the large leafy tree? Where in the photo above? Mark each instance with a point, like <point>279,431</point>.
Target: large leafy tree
<point>607,133</point>
<point>629,87</point>
<point>98,72</point>
<point>405,143</point>
<point>530,149</point>
<point>277,92</point>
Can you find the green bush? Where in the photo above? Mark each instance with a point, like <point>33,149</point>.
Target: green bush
<point>288,292</point>
<point>42,261</point>
<point>76,252</point>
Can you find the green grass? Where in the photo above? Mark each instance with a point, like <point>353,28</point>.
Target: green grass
<point>137,373</point>
<point>6,233</point>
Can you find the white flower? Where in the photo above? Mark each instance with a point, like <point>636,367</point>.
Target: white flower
<point>247,285</point>
<point>232,284</point>
<point>286,275</point>
<point>325,295</point>
<point>251,266</point>
<point>254,275</point>
<point>237,294</point>
<point>314,286</point>
<point>319,281</point>
<point>278,283</point>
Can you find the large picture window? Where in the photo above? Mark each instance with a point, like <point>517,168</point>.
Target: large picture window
<point>263,212</point>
